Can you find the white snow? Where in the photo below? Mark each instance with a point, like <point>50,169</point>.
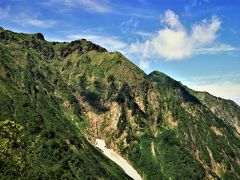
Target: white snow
<point>118,160</point>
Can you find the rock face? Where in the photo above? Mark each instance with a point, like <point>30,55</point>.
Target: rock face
<point>67,95</point>
<point>40,36</point>
<point>82,46</point>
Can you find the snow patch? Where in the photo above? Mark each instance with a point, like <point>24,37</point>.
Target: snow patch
<point>118,160</point>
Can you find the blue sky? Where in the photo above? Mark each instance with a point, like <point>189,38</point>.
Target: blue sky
<point>194,41</point>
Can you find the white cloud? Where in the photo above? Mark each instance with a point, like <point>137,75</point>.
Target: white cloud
<point>174,42</point>
<point>25,20</point>
<point>172,20</point>
<point>112,43</point>
<point>129,25</point>
<point>144,34</point>
<point>205,32</point>
<point>215,49</point>
<point>100,6</point>
<point>165,43</point>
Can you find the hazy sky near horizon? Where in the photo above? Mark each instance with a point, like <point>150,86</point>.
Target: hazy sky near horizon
<point>194,41</point>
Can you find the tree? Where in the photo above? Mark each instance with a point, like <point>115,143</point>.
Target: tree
<point>17,157</point>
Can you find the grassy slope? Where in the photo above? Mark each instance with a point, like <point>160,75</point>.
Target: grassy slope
<point>212,141</point>
<point>51,145</point>
<point>227,110</point>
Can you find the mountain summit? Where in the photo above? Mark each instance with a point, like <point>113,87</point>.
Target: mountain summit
<point>56,99</point>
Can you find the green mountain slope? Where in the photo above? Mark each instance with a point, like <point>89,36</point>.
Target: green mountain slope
<point>227,110</point>
<point>62,96</point>
<point>51,146</point>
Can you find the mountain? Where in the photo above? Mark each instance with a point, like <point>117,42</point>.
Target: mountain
<point>56,99</point>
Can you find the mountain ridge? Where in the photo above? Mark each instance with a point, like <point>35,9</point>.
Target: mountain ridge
<point>164,129</point>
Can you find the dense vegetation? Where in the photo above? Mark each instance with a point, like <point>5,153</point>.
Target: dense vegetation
<point>39,138</point>
<point>57,98</point>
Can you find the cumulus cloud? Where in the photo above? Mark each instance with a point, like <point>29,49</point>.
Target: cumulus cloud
<point>175,42</point>
<point>205,32</point>
<point>172,20</point>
